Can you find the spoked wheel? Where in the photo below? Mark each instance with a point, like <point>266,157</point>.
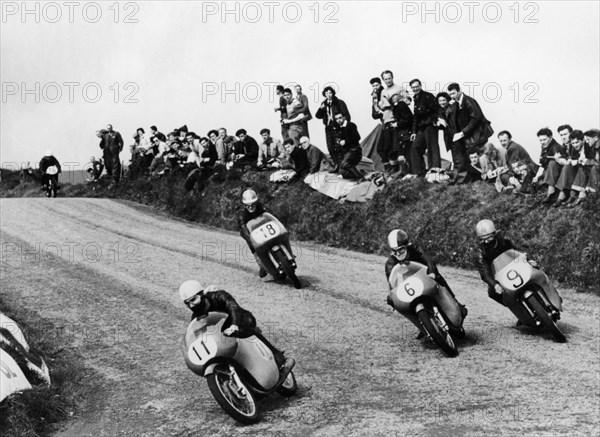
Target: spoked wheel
<point>287,268</point>
<point>289,386</point>
<point>545,318</point>
<point>436,331</point>
<point>232,395</point>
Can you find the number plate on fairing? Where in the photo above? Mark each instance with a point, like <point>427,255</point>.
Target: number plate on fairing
<point>202,350</point>
<point>410,289</point>
<point>515,275</point>
<point>266,232</point>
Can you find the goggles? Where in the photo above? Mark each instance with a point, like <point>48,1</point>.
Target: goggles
<point>486,239</point>
<point>195,298</point>
<point>400,250</point>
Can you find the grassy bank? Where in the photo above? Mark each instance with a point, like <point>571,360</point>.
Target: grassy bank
<point>41,410</point>
<point>442,218</point>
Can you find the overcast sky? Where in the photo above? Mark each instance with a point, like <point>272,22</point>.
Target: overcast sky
<point>530,65</point>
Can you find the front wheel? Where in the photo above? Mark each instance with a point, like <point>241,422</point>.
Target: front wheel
<point>287,268</point>
<point>436,331</point>
<point>547,321</point>
<point>232,394</point>
<point>289,386</point>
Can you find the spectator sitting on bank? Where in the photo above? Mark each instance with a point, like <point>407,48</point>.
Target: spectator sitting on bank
<point>162,149</point>
<point>245,151</point>
<point>155,133</point>
<point>474,170</point>
<point>206,162</point>
<point>95,169</point>
<point>317,161</point>
<point>570,169</point>
<point>520,166</point>
<point>552,159</point>
<point>348,139</point>
<point>296,159</point>
<point>588,162</point>
<point>492,162</point>
<point>269,150</point>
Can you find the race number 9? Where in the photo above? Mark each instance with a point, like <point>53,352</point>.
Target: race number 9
<point>513,275</point>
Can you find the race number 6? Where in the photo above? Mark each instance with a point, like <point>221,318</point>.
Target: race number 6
<point>409,290</point>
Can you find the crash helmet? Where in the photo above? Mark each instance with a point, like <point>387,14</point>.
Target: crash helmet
<point>250,200</point>
<point>189,289</point>
<point>398,242</point>
<point>486,231</point>
<point>48,153</point>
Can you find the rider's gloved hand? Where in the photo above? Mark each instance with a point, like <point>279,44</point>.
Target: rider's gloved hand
<point>431,275</point>
<point>231,330</point>
<point>533,264</point>
<point>498,288</point>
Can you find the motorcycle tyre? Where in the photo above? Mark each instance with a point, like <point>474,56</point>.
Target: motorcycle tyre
<point>215,388</point>
<point>287,268</point>
<point>545,318</point>
<point>436,332</point>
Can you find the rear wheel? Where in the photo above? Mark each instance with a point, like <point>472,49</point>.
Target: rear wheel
<point>289,386</point>
<point>232,395</point>
<point>436,331</point>
<point>545,318</point>
<point>287,268</point>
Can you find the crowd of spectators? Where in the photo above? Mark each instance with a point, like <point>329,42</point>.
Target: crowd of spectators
<point>413,129</point>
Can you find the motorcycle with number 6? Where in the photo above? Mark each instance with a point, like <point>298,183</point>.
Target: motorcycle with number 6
<point>238,370</point>
<point>427,304</point>
<point>528,292</point>
<point>271,240</point>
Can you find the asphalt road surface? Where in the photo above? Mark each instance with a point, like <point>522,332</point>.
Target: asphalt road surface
<point>107,274</point>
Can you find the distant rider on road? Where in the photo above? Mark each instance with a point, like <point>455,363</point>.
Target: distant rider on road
<point>253,208</point>
<point>47,161</point>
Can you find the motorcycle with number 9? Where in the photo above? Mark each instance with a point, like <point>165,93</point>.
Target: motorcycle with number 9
<point>271,241</point>
<point>528,292</point>
<point>238,370</point>
<point>427,304</point>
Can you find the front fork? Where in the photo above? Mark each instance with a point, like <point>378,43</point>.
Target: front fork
<point>534,317</point>
<point>287,253</point>
<point>240,389</point>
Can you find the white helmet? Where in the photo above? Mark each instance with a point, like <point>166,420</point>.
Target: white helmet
<point>48,153</point>
<point>485,229</point>
<point>249,197</point>
<point>189,288</point>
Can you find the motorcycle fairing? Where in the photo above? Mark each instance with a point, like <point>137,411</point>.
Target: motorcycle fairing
<point>205,343</point>
<point>265,240</point>
<point>410,284</point>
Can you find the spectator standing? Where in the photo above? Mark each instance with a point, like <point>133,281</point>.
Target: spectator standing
<point>348,139</point>
<point>424,131</point>
<point>471,125</point>
<point>112,144</point>
<point>390,126</point>
<point>303,100</point>
<point>282,109</point>
<point>295,117</point>
<point>330,106</point>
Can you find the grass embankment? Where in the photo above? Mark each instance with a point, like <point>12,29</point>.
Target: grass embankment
<point>39,411</point>
<point>441,218</point>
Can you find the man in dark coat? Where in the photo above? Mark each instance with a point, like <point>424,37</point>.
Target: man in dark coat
<point>424,132</point>
<point>348,140</point>
<point>245,150</point>
<point>472,126</point>
<point>314,155</point>
<point>112,144</point>
<point>520,165</point>
<point>296,159</point>
<point>330,106</point>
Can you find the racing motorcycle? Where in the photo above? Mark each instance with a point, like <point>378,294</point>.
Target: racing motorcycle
<point>528,292</point>
<point>427,304</point>
<point>238,370</point>
<point>51,186</point>
<point>271,240</point>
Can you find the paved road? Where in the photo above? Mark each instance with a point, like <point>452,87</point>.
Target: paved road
<point>107,272</point>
